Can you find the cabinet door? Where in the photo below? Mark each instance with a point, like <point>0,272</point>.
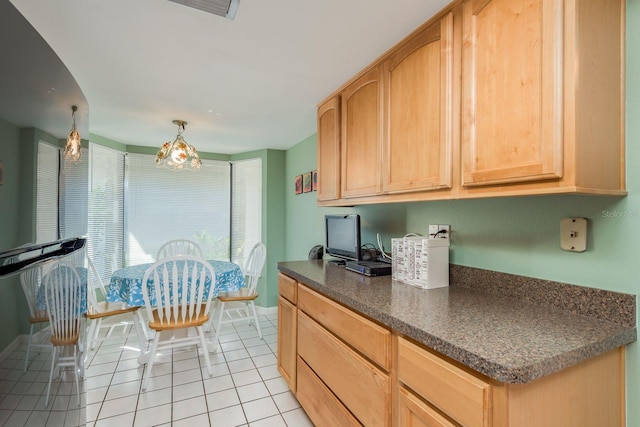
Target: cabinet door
<point>418,82</point>
<point>512,91</point>
<point>287,346</point>
<point>360,136</point>
<point>329,150</point>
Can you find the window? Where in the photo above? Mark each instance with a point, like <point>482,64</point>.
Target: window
<point>106,209</point>
<point>162,205</point>
<point>47,193</point>
<point>246,229</point>
<point>73,196</point>
<point>135,207</point>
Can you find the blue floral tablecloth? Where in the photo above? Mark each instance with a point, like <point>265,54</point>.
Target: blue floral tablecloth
<point>126,284</point>
<point>41,302</point>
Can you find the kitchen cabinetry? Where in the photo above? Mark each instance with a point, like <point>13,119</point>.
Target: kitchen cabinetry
<point>354,371</point>
<point>542,97</point>
<point>287,329</point>
<point>490,98</point>
<point>329,149</point>
<point>361,135</point>
<point>343,363</point>
<point>418,111</point>
<point>397,126</point>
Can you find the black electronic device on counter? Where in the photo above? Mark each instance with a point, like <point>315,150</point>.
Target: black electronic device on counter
<point>369,268</point>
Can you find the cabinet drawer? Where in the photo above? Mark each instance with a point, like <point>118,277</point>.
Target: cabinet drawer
<point>415,413</point>
<point>288,288</point>
<point>457,393</point>
<point>363,388</point>
<point>367,337</point>
<point>322,407</point>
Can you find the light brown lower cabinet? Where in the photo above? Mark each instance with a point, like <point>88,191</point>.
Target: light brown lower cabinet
<point>319,402</point>
<point>389,380</point>
<point>412,411</point>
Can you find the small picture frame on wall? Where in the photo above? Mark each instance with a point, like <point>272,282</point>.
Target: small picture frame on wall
<point>314,180</point>
<point>298,184</point>
<point>306,182</point>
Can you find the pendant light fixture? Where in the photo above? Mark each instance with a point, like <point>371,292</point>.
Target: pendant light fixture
<point>72,151</point>
<point>179,154</point>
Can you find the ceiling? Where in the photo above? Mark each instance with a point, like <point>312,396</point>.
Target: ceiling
<point>244,84</point>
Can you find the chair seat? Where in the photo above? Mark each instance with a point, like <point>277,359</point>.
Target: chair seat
<point>167,324</point>
<point>39,316</point>
<point>240,295</point>
<point>107,309</point>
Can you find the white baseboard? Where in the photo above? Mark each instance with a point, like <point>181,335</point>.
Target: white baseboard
<point>266,310</point>
<point>20,339</point>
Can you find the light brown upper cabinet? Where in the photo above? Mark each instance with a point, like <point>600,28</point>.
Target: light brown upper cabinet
<point>488,98</point>
<point>418,111</point>
<point>542,97</point>
<point>329,149</point>
<point>361,135</point>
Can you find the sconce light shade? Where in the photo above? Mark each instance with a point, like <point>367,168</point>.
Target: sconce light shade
<point>72,151</point>
<point>179,154</point>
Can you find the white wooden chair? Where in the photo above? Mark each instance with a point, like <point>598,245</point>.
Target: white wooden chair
<point>177,287</point>
<point>31,280</point>
<point>239,306</point>
<point>179,247</point>
<point>63,296</point>
<point>119,314</point>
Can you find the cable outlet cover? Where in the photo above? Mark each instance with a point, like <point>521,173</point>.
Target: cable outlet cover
<point>573,234</point>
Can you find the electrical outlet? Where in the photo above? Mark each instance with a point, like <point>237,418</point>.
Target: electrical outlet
<point>573,234</point>
<point>439,231</point>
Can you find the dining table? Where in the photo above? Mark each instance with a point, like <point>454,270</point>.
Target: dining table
<point>125,285</point>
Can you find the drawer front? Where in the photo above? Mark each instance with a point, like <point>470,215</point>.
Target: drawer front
<point>288,288</point>
<point>367,337</point>
<point>363,388</point>
<point>462,396</point>
<point>415,413</point>
<point>322,407</point>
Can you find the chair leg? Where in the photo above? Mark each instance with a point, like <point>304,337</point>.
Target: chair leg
<point>77,369</point>
<point>53,362</point>
<point>205,350</point>
<point>91,335</point>
<point>26,358</point>
<point>152,356</point>
<point>218,326</point>
<point>142,338</point>
<point>255,318</point>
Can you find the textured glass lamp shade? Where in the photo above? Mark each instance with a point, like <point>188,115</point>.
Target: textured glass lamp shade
<point>73,149</point>
<point>179,154</point>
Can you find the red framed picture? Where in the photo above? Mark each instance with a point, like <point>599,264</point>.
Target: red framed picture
<point>306,182</point>
<point>299,184</point>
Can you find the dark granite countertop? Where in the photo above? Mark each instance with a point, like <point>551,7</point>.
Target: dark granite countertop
<point>508,339</point>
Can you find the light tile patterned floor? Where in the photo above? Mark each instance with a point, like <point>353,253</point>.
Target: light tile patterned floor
<point>245,389</point>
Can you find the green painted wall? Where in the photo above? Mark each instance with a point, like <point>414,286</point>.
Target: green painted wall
<point>9,217</point>
<point>515,235</point>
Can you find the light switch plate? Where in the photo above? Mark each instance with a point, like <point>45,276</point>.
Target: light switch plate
<point>573,234</point>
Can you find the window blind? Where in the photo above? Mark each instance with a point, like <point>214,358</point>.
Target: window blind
<point>162,205</point>
<point>74,178</point>
<point>246,208</point>
<point>47,193</point>
<point>106,209</point>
